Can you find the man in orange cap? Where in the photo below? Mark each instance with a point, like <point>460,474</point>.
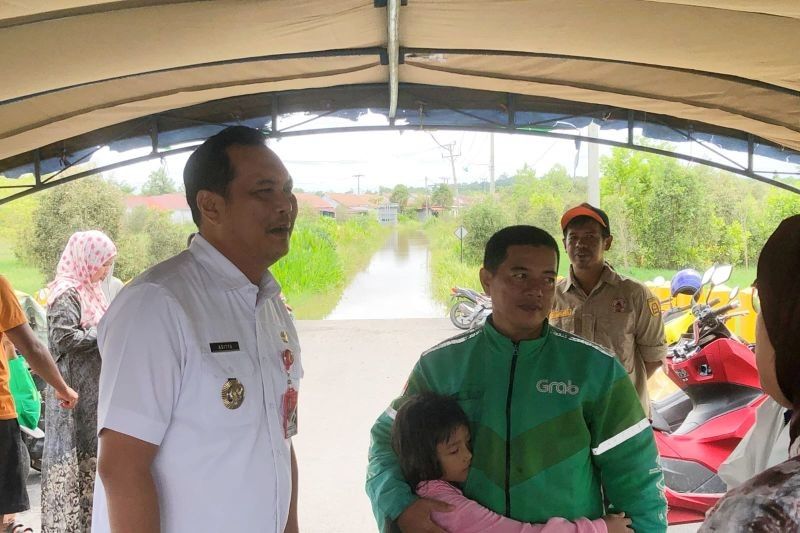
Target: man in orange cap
<point>598,304</point>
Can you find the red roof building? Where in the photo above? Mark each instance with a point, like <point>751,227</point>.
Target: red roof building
<point>174,203</point>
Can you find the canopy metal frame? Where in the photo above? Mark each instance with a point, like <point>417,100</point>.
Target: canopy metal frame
<point>42,182</point>
<point>436,98</point>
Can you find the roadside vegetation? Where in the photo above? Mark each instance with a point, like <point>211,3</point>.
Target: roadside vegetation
<point>664,216</point>
<point>324,255</point>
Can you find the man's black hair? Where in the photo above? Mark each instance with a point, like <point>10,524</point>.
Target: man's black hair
<point>209,167</point>
<point>497,247</point>
<point>423,422</point>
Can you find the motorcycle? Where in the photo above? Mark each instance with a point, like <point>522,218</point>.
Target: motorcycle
<point>698,427</point>
<point>469,309</point>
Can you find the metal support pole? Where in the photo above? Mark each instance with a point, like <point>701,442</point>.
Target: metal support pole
<point>511,109</point>
<point>393,50</point>
<point>750,152</point>
<point>154,135</point>
<point>37,167</point>
<point>630,127</point>
<point>274,112</point>
<point>491,163</point>
<point>593,180</point>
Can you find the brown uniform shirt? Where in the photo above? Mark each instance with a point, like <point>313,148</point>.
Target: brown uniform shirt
<point>620,314</point>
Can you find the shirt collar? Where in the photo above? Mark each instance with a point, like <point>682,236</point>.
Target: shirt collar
<point>227,274</point>
<point>608,275</point>
<point>507,345</point>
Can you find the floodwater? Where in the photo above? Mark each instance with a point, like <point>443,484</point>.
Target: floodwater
<point>395,284</point>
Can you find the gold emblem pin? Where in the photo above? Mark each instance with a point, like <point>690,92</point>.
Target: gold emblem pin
<point>232,393</point>
<point>285,337</point>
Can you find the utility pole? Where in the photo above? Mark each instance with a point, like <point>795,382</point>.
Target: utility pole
<point>427,199</point>
<point>358,182</point>
<point>450,148</point>
<point>491,163</point>
<point>452,157</point>
<point>593,180</point>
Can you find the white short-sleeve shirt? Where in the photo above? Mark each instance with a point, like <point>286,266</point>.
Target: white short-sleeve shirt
<point>169,343</point>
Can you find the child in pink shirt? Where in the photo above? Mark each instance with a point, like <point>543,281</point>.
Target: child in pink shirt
<point>431,438</point>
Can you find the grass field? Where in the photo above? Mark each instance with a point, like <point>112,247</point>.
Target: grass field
<point>448,271</point>
<point>741,277</point>
<point>23,278</point>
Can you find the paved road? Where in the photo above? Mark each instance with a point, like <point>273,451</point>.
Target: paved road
<point>353,369</point>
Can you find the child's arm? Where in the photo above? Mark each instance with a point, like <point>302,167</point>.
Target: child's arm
<point>468,516</point>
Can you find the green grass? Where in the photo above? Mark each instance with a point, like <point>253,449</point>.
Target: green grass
<point>448,271</point>
<point>23,278</point>
<point>324,256</point>
<point>741,277</point>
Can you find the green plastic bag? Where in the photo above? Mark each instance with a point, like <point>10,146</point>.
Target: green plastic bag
<point>27,399</point>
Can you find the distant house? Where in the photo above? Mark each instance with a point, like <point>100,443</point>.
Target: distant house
<point>174,203</point>
<point>348,205</point>
<point>321,205</point>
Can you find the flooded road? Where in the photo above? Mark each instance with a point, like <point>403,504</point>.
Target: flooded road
<point>395,284</point>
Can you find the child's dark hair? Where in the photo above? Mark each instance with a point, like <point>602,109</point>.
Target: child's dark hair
<point>421,423</point>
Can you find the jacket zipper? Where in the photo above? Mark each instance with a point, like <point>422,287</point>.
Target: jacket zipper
<point>508,428</point>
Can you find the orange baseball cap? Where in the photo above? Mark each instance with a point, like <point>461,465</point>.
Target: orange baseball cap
<point>585,210</point>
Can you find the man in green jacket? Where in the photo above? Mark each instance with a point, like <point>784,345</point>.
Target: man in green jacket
<point>557,428</point>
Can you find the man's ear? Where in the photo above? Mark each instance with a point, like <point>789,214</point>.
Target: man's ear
<point>210,205</point>
<point>608,241</point>
<point>486,280</point>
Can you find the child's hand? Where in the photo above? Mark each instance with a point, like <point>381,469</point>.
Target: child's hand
<point>617,523</point>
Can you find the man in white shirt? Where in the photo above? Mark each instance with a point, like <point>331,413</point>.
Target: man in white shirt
<point>201,364</point>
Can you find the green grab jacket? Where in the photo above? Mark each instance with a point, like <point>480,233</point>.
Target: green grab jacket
<point>556,428</point>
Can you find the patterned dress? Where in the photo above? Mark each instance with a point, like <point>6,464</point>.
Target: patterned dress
<point>70,447</point>
<point>767,503</point>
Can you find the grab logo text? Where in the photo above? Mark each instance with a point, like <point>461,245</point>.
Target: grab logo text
<point>557,387</point>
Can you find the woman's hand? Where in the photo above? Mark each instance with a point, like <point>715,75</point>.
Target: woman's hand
<point>67,398</point>
<point>617,523</point>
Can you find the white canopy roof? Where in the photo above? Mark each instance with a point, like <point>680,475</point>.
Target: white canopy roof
<point>73,67</point>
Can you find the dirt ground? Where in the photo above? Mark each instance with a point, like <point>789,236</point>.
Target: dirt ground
<point>352,369</point>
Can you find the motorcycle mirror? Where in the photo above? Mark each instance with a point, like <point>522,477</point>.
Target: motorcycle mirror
<point>707,275</point>
<point>721,274</point>
<point>733,293</point>
<point>697,294</point>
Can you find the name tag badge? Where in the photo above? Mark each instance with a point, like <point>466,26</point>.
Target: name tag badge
<point>220,347</point>
<point>562,313</point>
<point>290,412</point>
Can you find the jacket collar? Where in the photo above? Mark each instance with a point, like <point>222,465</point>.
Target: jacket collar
<point>506,345</point>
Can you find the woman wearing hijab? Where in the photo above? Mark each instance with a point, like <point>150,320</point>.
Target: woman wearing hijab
<point>76,303</point>
<point>769,501</point>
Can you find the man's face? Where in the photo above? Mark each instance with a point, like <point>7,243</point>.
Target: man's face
<point>260,209</point>
<point>585,244</point>
<point>522,290</point>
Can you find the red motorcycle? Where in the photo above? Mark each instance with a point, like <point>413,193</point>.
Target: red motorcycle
<point>698,427</point>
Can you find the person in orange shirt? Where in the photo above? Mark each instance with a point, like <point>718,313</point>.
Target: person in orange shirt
<point>14,326</point>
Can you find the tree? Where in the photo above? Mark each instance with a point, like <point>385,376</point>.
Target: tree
<point>400,196</point>
<point>148,237</point>
<point>481,221</point>
<point>86,204</point>
<point>159,182</point>
<point>442,195</point>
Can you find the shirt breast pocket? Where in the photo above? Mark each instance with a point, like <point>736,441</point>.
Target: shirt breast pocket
<point>616,331</point>
<point>231,393</point>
